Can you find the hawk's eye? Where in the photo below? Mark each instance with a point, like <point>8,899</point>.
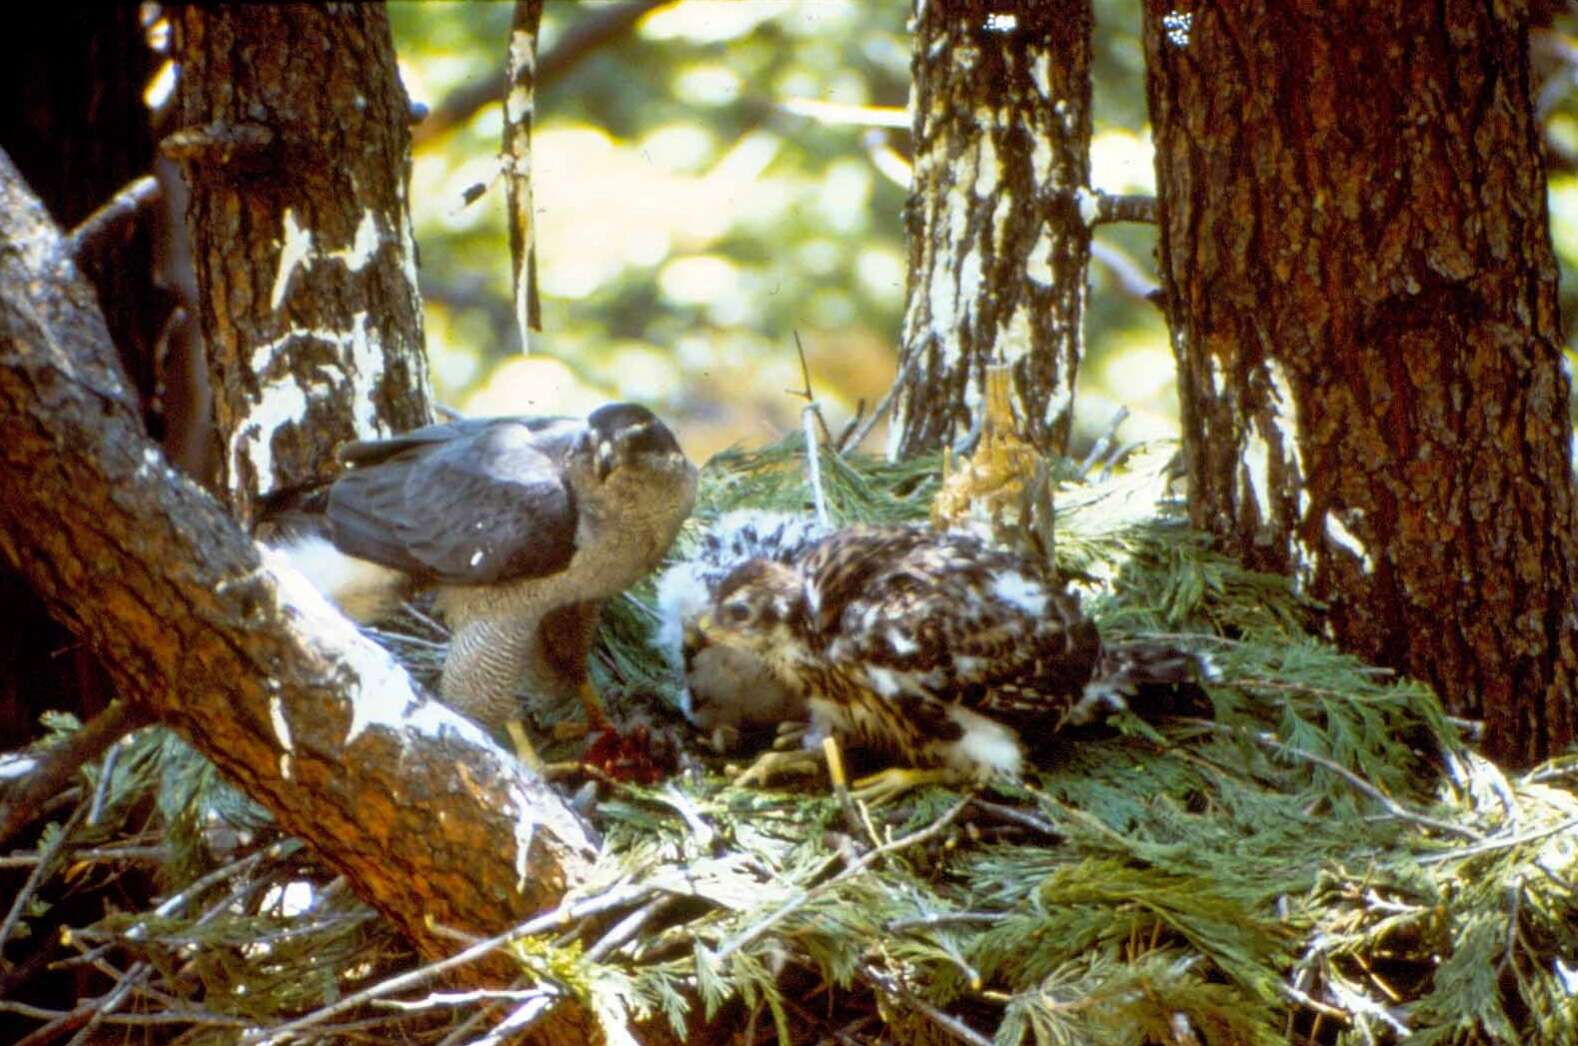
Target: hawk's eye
<point>648,439</point>
<point>735,613</point>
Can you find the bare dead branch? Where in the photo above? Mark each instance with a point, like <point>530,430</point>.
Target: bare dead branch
<point>1123,207</point>
<point>603,24</point>
<point>58,765</point>
<point>116,211</point>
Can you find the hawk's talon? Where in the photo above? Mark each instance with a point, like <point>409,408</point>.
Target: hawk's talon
<point>887,785</point>
<point>767,764</point>
<point>596,711</point>
<point>596,721</point>
<point>573,729</point>
<point>791,735</point>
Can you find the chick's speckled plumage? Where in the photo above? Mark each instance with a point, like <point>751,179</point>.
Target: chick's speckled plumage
<point>936,648</point>
<point>730,692</point>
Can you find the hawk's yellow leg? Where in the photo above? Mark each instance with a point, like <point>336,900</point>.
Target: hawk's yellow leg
<point>523,746</point>
<point>596,716</point>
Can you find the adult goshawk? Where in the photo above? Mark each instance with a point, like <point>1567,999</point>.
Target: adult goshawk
<point>524,526</point>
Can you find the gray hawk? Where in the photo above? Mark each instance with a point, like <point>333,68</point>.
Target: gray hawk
<point>523,526</point>
<point>936,649</point>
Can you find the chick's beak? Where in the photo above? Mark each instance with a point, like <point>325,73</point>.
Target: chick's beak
<point>699,631</point>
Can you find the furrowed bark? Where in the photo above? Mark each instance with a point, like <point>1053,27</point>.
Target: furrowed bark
<point>292,133</point>
<point>1359,277</point>
<point>998,247</point>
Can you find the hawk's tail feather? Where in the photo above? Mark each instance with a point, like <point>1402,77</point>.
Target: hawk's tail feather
<point>363,590</point>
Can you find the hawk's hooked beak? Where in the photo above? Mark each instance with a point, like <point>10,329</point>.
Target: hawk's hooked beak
<point>603,459</point>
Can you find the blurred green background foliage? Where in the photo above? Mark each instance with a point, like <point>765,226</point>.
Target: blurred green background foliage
<point>726,173</point>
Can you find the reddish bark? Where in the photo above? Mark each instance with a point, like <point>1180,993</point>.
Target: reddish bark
<point>1359,276</point>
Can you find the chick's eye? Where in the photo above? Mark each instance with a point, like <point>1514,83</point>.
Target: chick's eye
<point>735,613</point>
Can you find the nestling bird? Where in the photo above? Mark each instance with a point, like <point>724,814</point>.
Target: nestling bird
<point>524,526</point>
<point>934,648</point>
<point>730,693</point>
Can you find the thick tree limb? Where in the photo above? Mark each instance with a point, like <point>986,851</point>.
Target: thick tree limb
<point>425,817</point>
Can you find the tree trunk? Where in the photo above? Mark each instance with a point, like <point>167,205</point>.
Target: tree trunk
<point>428,821</point>
<point>293,136</point>
<point>77,128</point>
<point>998,248</point>
<point>1359,277</point>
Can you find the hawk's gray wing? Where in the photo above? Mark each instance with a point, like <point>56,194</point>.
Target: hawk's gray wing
<point>468,503</point>
<point>547,433</point>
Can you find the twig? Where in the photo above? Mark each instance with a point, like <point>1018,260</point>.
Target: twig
<point>175,902</point>
<point>1305,999</point>
<point>845,1036</point>
<point>1130,277</point>
<point>600,25</point>
<point>462,1031</point>
<point>178,1016</point>
<point>45,858</point>
<point>450,1000</point>
<point>564,914</point>
<point>884,405</point>
<point>106,773</point>
<point>416,612</point>
<point>842,443</point>
<point>61,762</point>
<point>1104,441</point>
<point>1013,815</point>
<point>1391,805</point>
<point>522,1016</point>
<point>386,637</point>
<point>928,922</point>
<point>1551,772</point>
<point>947,1022</point>
<point>860,865</point>
<point>841,113</point>
<point>1501,843</point>
<point>625,929</point>
<point>1123,207</point>
<point>813,449</point>
<point>111,1002</point>
<point>37,1013</point>
<point>813,460</point>
<point>806,393</point>
<point>87,1015</point>
<point>682,804</point>
<point>96,853</point>
<point>124,205</point>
